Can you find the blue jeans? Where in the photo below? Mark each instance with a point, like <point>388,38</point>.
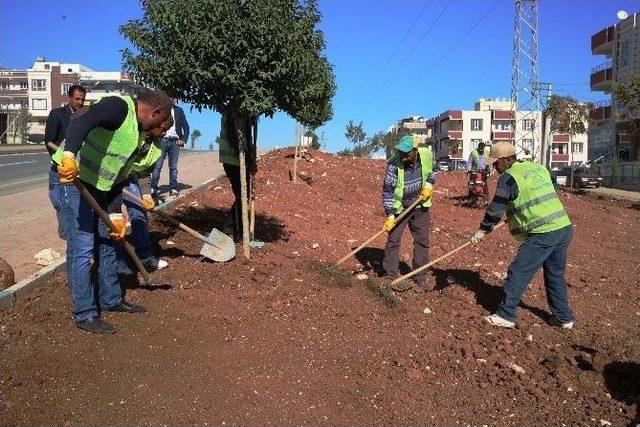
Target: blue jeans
<point>170,148</point>
<point>56,195</point>
<point>87,238</point>
<point>140,237</point>
<point>546,250</point>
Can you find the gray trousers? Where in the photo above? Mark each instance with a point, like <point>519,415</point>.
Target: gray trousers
<point>418,223</point>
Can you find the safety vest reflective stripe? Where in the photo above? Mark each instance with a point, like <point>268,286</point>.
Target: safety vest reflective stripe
<point>539,222</point>
<point>96,170</point>
<point>538,200</point>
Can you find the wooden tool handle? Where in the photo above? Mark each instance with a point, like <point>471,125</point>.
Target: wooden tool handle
<point>447,255</point>
<point>379,233</point>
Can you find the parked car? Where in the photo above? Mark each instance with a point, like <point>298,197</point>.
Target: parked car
<point>582,177</point>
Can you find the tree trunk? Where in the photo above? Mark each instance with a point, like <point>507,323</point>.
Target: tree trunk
<point>240,123</point>
<point>295,155</point>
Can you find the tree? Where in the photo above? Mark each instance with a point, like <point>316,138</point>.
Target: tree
<point>21,125</point>
<point>355,134</point>
<point>568,117</point>
<point>379,141</point>
<point>194,137</point>
<point>243,58</point>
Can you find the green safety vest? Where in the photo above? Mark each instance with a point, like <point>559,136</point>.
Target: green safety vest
<point>426,163</point>
<point>142,164</point>
<point>537,209</point>
<point>474,160</point>
<point>104,154</point>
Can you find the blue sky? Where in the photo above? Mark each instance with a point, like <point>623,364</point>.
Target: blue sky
<point>383,70</point>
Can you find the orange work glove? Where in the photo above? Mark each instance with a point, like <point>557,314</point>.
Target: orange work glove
<point>389,223</point>
<point>120,227</point>
<point>147,202</point>
<point>68,168</point>
<point>426,192</point>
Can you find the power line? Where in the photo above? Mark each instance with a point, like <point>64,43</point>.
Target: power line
<point>447,52</point>
<point>407,56</point>
<point>393,54</point>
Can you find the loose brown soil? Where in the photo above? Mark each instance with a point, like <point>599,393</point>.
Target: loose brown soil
<point>280,340</point>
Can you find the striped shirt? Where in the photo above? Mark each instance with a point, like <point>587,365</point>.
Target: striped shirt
<point>412,184</point>
<point>506,191</point>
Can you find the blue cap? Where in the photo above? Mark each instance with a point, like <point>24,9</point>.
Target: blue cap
<point>405,144</point>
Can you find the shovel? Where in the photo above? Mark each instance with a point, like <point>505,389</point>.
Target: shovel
<point>447,255</point>
<point>217,246</point>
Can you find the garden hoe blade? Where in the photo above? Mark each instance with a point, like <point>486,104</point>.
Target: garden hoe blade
<point>220,247</point>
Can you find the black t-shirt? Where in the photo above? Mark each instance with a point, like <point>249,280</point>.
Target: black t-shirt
<point>108,114</point>
<point>56,126</point>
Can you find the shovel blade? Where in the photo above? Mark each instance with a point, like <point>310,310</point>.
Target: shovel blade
<point>223,248</point>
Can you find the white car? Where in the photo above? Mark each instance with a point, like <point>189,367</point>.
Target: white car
<point>443,166</point>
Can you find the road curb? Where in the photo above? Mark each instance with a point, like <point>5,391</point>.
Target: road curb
<point>9,296</point>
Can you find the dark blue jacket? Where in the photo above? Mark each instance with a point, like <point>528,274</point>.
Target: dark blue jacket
<point>180,122</point>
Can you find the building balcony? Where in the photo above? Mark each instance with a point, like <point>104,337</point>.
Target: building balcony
<point>454,134</point>
<point>602,77</point>
<point>602,42</point>
<point>560,138</point>
<point>501,135</point>
<point>503,115</point>
<point>601,113</point>
<point>555,157</point>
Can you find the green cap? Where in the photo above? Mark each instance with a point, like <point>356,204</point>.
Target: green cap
<point>405,144</point>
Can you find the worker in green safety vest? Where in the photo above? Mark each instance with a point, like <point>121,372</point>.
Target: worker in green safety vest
<point>99,149</point>
<point>478,163</point>
<point>537,218</point>
<point>408,176</point>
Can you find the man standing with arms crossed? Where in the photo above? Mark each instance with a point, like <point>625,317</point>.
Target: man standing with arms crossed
<point>107,136</point>
<point>171,144</point>
<point>537,218</point>
<point>54,131</point>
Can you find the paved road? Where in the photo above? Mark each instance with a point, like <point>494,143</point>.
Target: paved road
<point>21,172</point>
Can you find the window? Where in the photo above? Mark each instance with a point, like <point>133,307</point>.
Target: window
<point>528,124</point>
<point>38,85</point>
<point>24,85</point>
<point>475,142</point>
<point>559,148</point>
<point>47,66</point>
<point>527,145</point>
<point>502,125</point>
<point>38,104</point>
<point>476,124</point>
<point>577,147</point>
<point>4,86</point>
<point>65,88</point>
<point>69,70</point>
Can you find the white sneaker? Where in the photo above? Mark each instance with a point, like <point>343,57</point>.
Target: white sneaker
<point>564,325</point>
<point>496,320</point>
<point>162,264</point>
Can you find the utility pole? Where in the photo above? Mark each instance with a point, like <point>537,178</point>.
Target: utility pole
<point>545,88</point>
<point>525,85</point>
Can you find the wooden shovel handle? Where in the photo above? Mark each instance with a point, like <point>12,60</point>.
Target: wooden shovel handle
<point>447,255</point>
<point>379,233</point>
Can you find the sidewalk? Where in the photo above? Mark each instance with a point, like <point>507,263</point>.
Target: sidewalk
<point>21,148</point>
<point>28,222</point>
<point>614,192</point>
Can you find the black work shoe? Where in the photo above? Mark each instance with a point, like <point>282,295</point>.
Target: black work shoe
<point>96,325</point>
<point>126,307</point>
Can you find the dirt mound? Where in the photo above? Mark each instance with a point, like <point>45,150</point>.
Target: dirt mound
<point>283,340</point>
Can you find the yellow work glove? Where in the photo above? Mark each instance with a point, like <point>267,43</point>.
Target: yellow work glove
<point>68,168</point>
<point>147,202</point>
<point>426,192</point>
<point>389,223</point>
<point>119,229</point>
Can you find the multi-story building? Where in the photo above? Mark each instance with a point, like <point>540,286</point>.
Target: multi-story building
<point>457,132</point>
<point>418,126</point>
<point>13,98</point>
<point>44,86</point>
<point>620,44</point>
<point>610,142</point>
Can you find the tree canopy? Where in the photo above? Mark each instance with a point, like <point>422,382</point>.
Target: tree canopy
<point>247,57</point>
<point>568,116</point>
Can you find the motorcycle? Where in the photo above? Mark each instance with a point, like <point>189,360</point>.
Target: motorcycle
<point>477,189</point>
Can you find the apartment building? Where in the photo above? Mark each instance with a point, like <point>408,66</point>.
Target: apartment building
<point>419,126</point>
<point>620,45</point>
<point>44,86</point>
<point>455,133</point>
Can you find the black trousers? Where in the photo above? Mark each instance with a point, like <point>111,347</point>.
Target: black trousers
<point>233,220</point>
